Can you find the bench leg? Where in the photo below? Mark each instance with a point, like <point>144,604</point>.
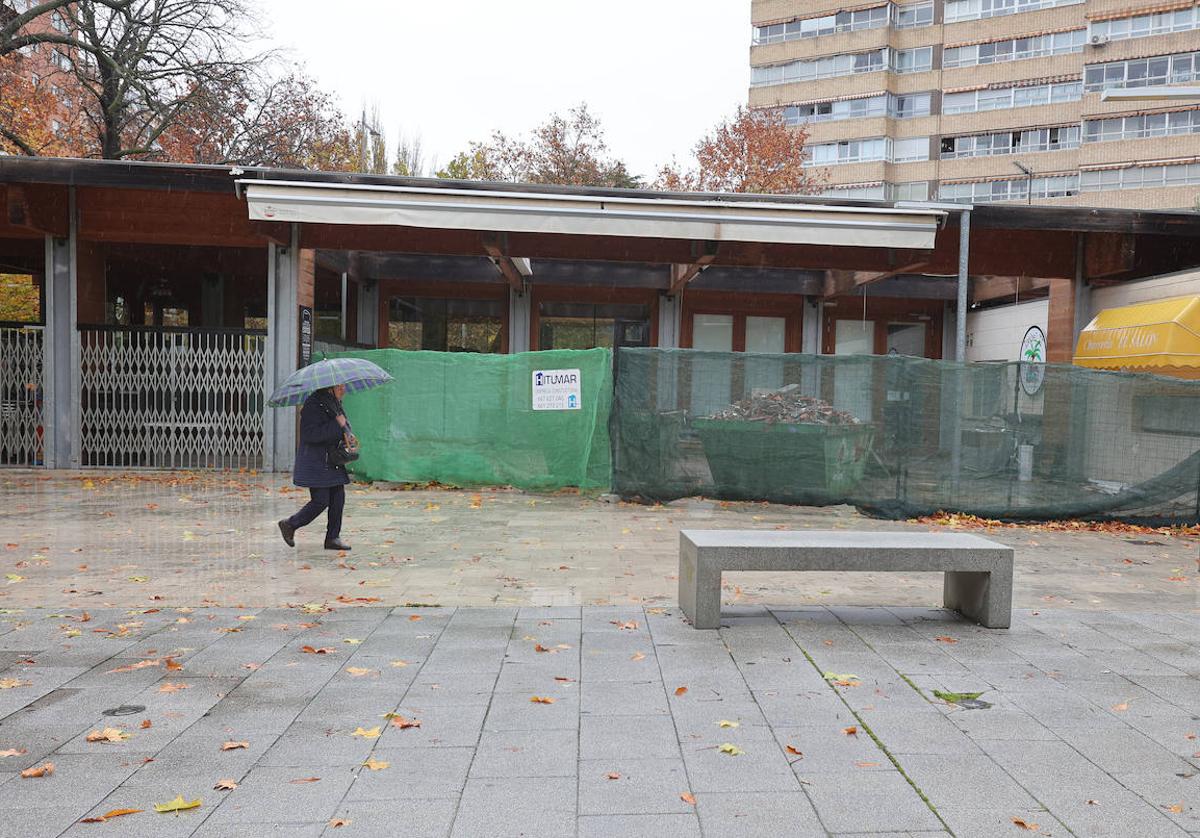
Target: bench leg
<point>983,597</point>
<point>699,590</point>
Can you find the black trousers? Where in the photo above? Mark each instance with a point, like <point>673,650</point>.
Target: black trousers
<point>332,498</point>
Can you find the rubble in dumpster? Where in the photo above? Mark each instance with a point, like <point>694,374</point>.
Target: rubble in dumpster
<point>787,406</point>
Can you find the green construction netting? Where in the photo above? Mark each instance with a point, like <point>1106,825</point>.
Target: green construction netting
<point>885,433</point>
<point>468,420</point>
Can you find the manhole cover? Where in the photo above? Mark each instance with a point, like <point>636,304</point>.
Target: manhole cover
<point>974,704</point>
<point>124,710</point>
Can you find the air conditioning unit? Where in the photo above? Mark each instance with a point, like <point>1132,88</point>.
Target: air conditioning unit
<point>1099,40</point>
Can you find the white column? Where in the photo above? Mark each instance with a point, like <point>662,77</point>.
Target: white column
<point>61,354</point>
<point>368,312</point>
<point>283,351</point>
<point>670,319</point>
<point>519,313</point>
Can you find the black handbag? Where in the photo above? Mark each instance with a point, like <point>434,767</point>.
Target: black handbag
<point>345,450</point>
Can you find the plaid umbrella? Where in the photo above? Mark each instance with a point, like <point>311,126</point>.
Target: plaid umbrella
<point>356,373</point>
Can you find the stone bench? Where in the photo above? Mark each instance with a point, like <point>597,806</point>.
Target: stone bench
<point>978,572</point>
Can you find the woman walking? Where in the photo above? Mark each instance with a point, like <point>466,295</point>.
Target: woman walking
<point>323,424</point>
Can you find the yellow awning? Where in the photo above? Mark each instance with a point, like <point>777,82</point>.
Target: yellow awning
<point>1156,336</point>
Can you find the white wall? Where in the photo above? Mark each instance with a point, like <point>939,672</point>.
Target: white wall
<point>1158,288</point>
<point>995,334</point>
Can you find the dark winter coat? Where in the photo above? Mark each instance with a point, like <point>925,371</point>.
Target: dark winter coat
<point>319,430</point>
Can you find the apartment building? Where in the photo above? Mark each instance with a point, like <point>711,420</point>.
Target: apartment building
<point>47,67</point>
<point>987,100</point>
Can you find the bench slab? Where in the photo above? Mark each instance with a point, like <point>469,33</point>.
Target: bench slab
<point>977,582</point>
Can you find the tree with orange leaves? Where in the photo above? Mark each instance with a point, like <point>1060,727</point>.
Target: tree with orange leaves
<point>755,151</point>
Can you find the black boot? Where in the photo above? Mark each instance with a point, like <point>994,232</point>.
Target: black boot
<point>336,544</point>
<point>288,532</point>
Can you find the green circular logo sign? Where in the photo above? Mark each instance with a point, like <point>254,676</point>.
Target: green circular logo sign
<point>1033,360</point>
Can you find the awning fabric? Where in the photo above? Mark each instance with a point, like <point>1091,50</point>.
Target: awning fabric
<point>578,214</point>
<point>1151,336</point>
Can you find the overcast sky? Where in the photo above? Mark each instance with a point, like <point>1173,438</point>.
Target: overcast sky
<point>658,73</point>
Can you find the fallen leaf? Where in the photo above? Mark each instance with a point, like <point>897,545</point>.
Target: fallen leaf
<point>613,775</point>
<point>402,722</point>
<point>234,746</point>
<point>373,733</point>
<point>732,750</point>
<point>414,617</point>
<point>375,764</point>
<point>942,638</point>
<point>1093,803</point>
<point>537,699</point>
<point>1175,809</point>
<point>791,749</point>
<point>353,641</point>
<point>309,650</point>
<point>687,798</point>
<point>866,764</point>
<point>39,770</point>
<point>399,663</point>
<point>627,625</point>
<point>108,734</point>
<point>133,666</point>
<point>540,648</point>
<point>359,671</point>
<point>637,656</point>
<point>680,690</point>
<point>1189,736</point>
<point>13,683</point>
<point>176,805</point>
<point>225,785</point>
<point>172,665</point>
<point>1029,827</point>
<point>336,822</point>
<point>300,780</point>
<point>727,723</point>
<point>850,731</point>
<point>146,724</point>
<point>173,688</point>
<point>564,679</point>
<point>14,752</point>
<point>1121,708</point>
<point>115,813</point>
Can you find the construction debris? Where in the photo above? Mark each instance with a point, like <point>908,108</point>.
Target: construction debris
<point>787,406</point>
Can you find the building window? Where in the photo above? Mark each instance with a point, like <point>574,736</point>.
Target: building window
<point>827,67</point>
<point>909,150</point>
<point>565,325</point>
<point>834,111</point>
<point>1142,126</point>
<point>1015,49</point>
<point>1141,26</point>
<point>873,192</point>
<point>850,151</point>
<point>1011,142</point>
<point>60,61</point>
<point>915,191</point>
<point>914,16</point>
<point>1011,97</point>
<point>957,10</point>
<point>825,25</point>
<point>1141,177</point>
<point>60,23</point>
<point>917,60</point>
<point>1143,72</point>
<point>446,325</point>
<point>994,191</point>
<point>910,105</point>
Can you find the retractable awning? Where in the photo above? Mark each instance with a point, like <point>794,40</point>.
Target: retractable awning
<point>1152,337</point>
<point>775,222</point>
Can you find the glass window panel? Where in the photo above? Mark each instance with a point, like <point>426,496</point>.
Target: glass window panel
<point>906,339</point>
<point>766,334</point>
<point>712,332</point>
<point>854,337</point>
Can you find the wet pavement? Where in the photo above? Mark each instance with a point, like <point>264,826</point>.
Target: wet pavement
<point>158,640</point>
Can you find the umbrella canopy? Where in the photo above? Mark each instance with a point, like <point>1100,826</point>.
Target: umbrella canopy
<point>356,373</point>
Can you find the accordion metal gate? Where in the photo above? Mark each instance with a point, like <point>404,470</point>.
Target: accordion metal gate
<point>172,398</point>
<point>21,425</point>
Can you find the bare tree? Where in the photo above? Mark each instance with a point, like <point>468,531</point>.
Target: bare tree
<point>410,156</point>
<point>139,65</point>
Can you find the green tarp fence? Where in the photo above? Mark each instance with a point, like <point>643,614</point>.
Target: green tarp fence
<point>468,420</point>
<point>910,436</point>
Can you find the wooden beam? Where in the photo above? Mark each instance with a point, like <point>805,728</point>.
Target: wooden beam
<point>276,232</point>
<point>987,288</point>
<point>681,274</point>
<point>40,208</point>
<point>496,247</point>
<point>843,282</point>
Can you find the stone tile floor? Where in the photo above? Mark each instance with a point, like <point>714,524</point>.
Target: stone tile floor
<point>1092,728</point>
<point>173,593</point>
